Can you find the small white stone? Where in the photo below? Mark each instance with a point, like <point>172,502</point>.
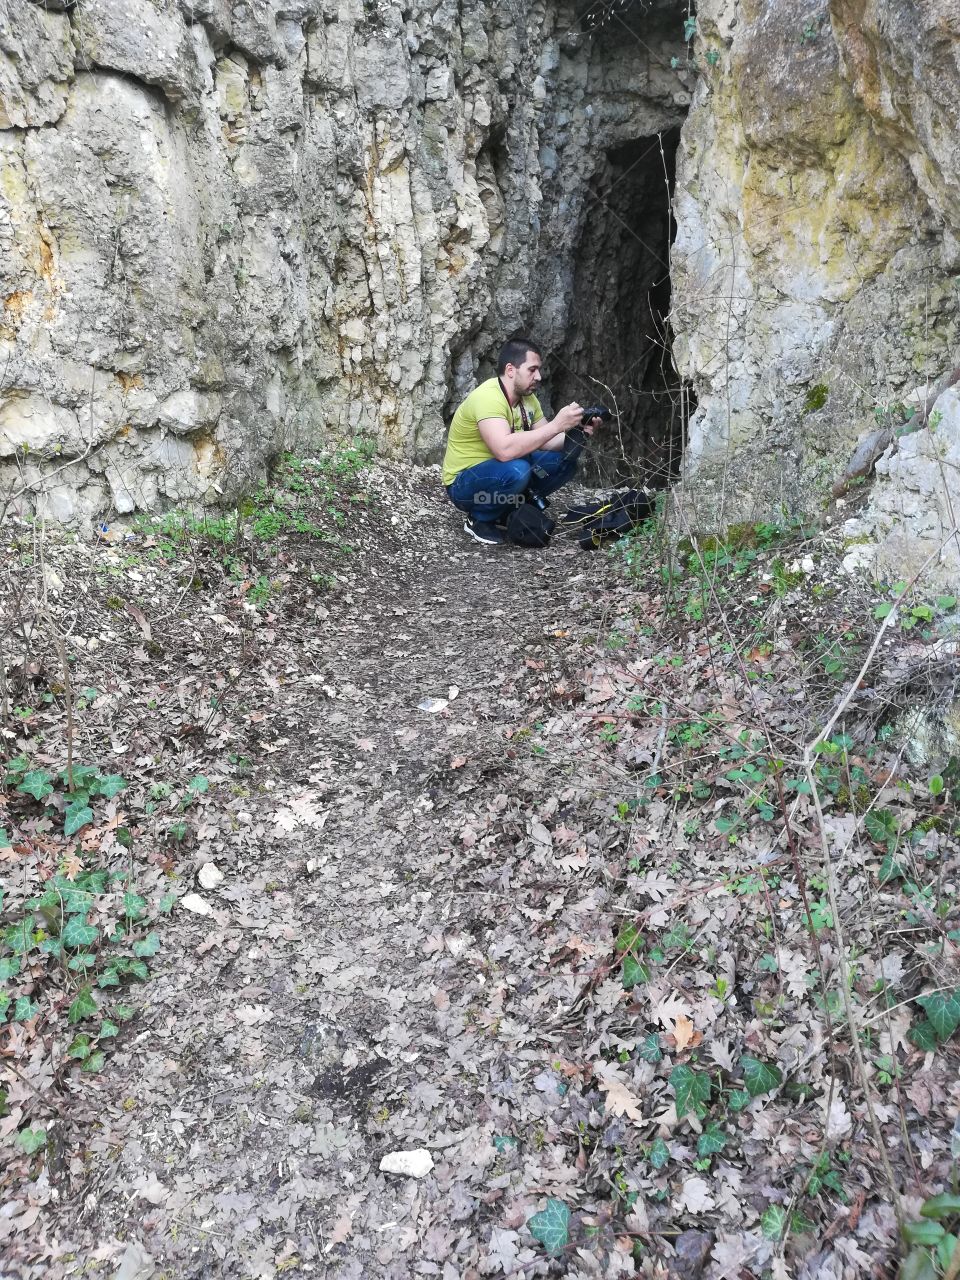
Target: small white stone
<point>411,1164</point>
<point>209,876</point>
<point>806,564</point>
<point>199,906</point>
<point>433,705</point>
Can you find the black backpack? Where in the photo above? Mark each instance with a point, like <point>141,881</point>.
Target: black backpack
<point>528,526</point>
<point>596,523</point>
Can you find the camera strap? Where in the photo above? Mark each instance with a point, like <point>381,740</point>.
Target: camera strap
<point>524,416</point>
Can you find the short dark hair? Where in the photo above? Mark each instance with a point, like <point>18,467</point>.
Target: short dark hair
<point>514,351</point>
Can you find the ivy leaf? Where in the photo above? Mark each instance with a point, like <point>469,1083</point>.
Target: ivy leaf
<point>692,1090</point>
<point>148,946</point>
<point>650,1050</point>
<point>634,971</point>
<point>31,1140</point>
<point>25,1009</point>
<point>36,783</point>
<point>82,775</point>
<point>77,815</point>
<point>19,937</point>
<point>659,1154</point>
<point>134,906</point>
<point>712,1141</point>
<point>923,1036</point>
<point>78,934</point>
<point>9,967</point>
<point>94,1062</point>
<point>943,1010</point>
<point>551,1226</point>
<point>139,969</point>
<point>739,1099</point>
<point>110,786</point>
<point>108,1029</point>
<point>503,1144</point>
<point>760,1077</point>
<point>79,1047</point>
<point>109,978</point>
<point>890,869</point>
<point>198,785</point>
<point>628,938</point>
<point>83,1007</point>
<point>123,1012</point>
<point>880,825</point>
<point>773,1221</point>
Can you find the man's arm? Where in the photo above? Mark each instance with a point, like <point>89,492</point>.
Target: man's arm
<point>506,445</point>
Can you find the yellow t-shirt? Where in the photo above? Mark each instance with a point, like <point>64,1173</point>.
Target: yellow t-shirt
<point>465,445</point>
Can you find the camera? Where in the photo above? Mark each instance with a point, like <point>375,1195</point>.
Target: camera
<point>596,411</point>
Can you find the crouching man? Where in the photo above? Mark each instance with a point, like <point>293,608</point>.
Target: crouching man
<point>501,450</point>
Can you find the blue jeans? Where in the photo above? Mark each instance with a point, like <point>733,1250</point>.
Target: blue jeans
<point>491,489</point>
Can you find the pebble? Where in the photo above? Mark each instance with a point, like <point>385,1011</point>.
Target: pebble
<point>412,1164</point>
<point>199,906</point>
<point>209,876</point>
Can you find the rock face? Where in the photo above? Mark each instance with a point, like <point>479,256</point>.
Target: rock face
<point>817,256</point>
<point>910,525</point>
<point>231,227</point>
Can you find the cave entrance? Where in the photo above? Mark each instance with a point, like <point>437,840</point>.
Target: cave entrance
<point>619,332</point>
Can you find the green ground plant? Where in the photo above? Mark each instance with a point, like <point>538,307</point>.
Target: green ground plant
<point>91,929</point>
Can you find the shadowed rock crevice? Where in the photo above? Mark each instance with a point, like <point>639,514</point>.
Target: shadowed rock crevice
<point>620,332</point>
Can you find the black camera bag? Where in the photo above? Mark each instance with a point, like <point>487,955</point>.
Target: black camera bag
<point>528,526</point>
<point>596,523</point>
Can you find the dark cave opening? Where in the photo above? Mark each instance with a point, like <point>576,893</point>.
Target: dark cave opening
<point>618,346</point>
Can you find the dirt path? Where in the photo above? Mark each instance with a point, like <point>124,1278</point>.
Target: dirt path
<point>354,990</point>
<point>496,860</point>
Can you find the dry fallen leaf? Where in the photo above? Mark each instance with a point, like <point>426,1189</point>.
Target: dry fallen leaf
<point>694,1197</point>
<point>683,1032</point>
<point>620,1101</point>
<point>342,1228</point>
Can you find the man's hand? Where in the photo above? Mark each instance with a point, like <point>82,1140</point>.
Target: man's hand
<point>568,417</point>
<point>591,426</point>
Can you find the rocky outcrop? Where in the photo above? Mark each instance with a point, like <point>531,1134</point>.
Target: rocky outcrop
<point>911,526</point>
<point>231,227</point>
<point>815,267</point>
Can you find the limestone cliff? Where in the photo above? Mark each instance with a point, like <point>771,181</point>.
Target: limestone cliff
<point>234,226</point>
<point>816,263</point>
<point>231,227</point>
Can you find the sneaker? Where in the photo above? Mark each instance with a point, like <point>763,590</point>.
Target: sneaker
<point>483,532</point>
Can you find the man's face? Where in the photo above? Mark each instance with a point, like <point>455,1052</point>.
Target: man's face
<point>527,376</point>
